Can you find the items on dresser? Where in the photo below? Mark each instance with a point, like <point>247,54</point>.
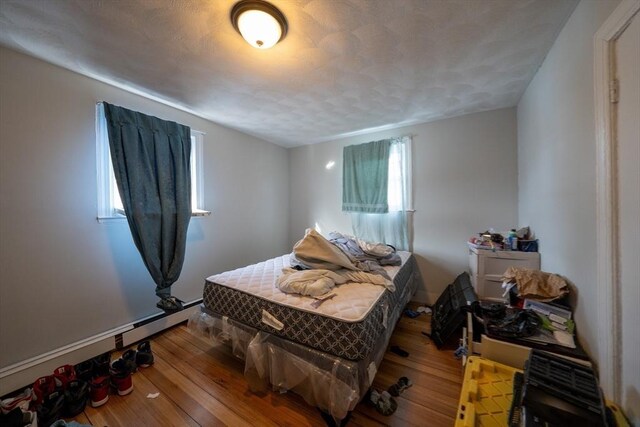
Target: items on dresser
<point>513,240</point>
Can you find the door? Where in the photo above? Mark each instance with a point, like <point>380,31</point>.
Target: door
<point>627,111</point>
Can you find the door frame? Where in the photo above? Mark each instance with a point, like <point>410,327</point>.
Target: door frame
<point>608,279</point>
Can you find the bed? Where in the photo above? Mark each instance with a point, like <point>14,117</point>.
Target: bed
<point>327,352</point>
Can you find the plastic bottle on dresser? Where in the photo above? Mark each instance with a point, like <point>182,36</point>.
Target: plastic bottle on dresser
<point>513,240</point>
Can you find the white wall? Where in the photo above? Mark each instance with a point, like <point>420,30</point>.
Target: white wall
<point>464,181</point>
<point>63,275</point>
<point>556,161</point>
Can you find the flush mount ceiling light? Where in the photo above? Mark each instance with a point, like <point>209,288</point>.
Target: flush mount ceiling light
<point>260,23</point>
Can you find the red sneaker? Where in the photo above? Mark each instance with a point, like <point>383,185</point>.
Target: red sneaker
<point>122,382</point>
<point>63,375</point>
<point>22,401</point>
<point>99,391</point>
<point>42,388</point>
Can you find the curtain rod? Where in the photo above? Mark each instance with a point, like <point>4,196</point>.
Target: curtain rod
<point>192,130</point>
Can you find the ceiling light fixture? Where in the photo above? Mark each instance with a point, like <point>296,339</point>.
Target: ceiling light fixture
<point>260,23</point>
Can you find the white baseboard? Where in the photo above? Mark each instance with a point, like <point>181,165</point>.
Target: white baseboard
<point>148,329</point>
<point>21,374</point>
<point>26,372</point>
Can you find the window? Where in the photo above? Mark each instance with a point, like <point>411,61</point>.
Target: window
<point>396,226</point>
<point>399,181</point>
<point>109,202</point>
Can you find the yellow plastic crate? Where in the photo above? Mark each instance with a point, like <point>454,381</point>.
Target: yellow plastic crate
<point>486,394</point>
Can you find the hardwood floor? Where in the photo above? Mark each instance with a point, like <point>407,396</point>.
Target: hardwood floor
<point>202,384</point>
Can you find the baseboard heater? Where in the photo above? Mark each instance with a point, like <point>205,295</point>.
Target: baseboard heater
<point>21,374</point>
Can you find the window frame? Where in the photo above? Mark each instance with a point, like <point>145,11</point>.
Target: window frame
<point>108,209</point>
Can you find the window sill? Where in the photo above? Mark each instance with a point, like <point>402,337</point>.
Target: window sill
<point>197,213</point>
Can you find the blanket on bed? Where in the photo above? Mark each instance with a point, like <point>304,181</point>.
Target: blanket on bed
<point>314,251</point>
<point>368,256</point>
<point>319,265</point>
<point>317,283</point>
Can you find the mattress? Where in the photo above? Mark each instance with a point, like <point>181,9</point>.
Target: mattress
<point>347,325</point>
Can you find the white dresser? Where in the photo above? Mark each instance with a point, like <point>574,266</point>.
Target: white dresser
<point>487,267</point>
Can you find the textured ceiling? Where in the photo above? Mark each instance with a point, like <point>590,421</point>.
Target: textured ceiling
<point>345,66</point>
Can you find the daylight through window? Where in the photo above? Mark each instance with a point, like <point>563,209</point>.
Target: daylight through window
<point>109,202</point>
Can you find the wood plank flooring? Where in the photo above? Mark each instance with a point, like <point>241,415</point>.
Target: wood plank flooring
<point>202,384</point>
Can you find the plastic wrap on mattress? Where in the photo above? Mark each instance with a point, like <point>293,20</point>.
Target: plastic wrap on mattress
<point>333,384</point>
<point>323,380</point>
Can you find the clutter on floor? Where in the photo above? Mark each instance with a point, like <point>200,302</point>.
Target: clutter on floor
<point>551,391</point>
<point>486,393</point>
<point>383,402</point>
<point>558,391</point>
<point>423,309</point>
<point>411,314</point>
<point>532,327</point>
<point>417,312</point>
<point>527,283</point>
<point>66,392</point>
<point>396,389</point>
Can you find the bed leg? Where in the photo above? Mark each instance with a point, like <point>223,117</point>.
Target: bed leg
<point>331,422</point>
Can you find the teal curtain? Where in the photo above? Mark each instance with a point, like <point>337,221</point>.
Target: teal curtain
<point>364,177</point>
<point>395,227</point>
<point>151,162</point>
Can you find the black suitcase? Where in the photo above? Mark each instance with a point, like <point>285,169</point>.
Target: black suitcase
<point>449,311</point>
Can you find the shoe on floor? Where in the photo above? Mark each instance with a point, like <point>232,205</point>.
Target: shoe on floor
<point>42,388</point>
<point>101,365</point>
<point>84,370</point>
<point>63,375</point>
<point>18,418</point>
<point>144,355</point>
<point>75,397</point>
<point>30,418</point>
<point>397,388</point>
<point>125,364</point>
<point>121,375</point>
<point>130,359</point>
<point>122,382</point>
<point>383,402</point>
<point>99,391</point>
<point>22,401</point>
<point>51,409</point>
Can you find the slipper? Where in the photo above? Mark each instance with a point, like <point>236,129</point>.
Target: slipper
<point>411,314</point>
<point>170,304</point>
<point>400,352</point>
<point>384,403</point>
<point>402,384</point>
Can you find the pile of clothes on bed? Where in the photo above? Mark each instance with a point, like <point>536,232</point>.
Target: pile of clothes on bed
<point>318,264</point>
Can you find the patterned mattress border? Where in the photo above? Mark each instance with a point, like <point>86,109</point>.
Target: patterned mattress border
<point>348,340</point>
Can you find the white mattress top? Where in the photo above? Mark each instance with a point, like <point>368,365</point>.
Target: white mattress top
<point>352,303</point>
